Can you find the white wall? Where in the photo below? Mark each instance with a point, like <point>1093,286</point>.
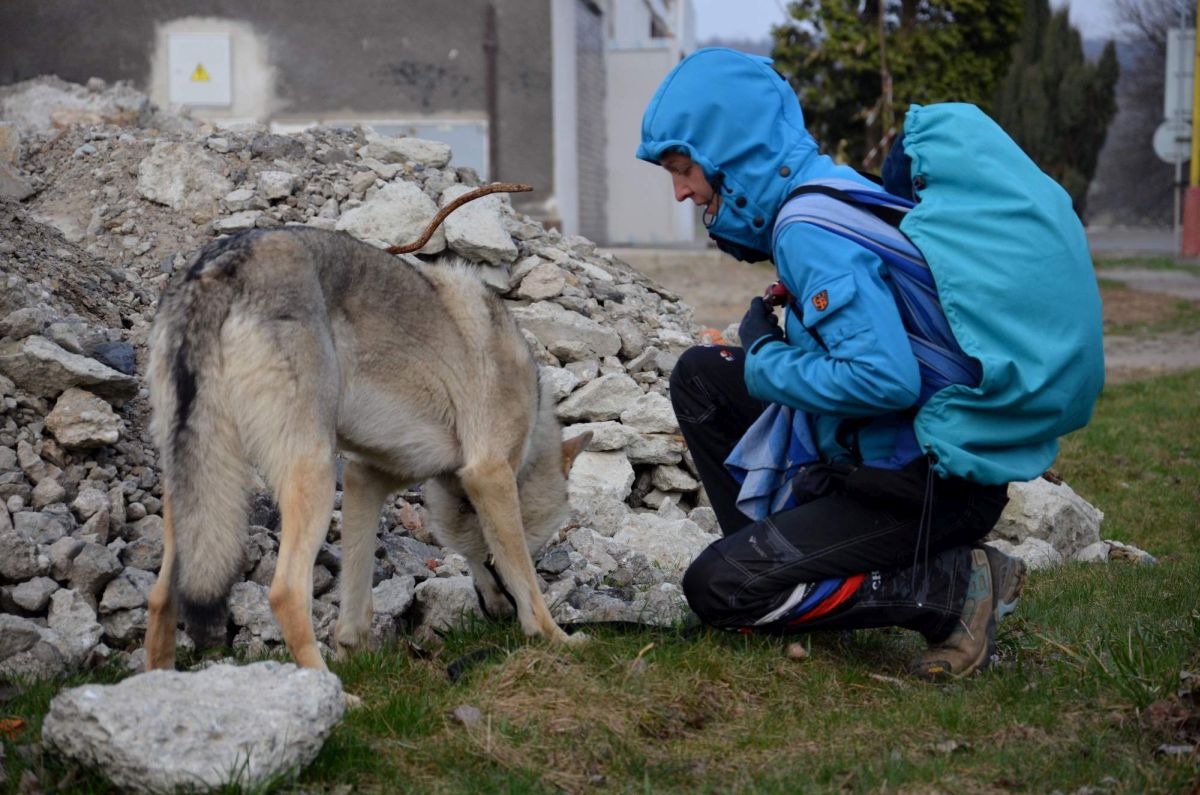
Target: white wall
<point>566,154</point>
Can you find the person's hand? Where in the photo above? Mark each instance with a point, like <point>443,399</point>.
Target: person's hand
<point>759,326</point>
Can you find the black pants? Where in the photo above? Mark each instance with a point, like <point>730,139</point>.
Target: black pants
<point>911,530</point>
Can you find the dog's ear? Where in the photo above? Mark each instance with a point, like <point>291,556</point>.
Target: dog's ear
<point>573,447</point>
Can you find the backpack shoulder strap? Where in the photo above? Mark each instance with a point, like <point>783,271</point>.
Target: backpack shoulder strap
<point>854,211</point>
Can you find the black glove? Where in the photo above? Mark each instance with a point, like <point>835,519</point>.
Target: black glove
<point>759,326</point>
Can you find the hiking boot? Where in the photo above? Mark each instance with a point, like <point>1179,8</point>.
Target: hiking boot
<point>972,643</point>
<point>1008,578</point>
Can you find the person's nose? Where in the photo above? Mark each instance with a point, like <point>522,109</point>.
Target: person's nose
<point>682,191</point>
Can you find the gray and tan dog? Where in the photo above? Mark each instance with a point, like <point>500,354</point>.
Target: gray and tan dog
<point>277,349</point>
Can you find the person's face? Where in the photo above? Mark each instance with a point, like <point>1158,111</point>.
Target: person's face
<point>688,179</point>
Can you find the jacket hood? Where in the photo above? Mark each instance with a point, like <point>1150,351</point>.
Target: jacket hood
<point>741,122</point>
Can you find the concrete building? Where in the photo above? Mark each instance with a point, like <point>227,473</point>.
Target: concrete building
<point>540,91</point>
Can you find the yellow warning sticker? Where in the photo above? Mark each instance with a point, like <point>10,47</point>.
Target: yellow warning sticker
<point>200,75</point>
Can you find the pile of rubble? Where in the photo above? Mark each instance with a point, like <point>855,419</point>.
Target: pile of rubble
<point>102,196</point>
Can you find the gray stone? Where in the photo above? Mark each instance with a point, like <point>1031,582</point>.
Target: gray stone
<point>475,230</point>
<point>559,380</point>
<point>48,492</point>
<point>673,478</point>
<point>92,569</point>
<point>542,283</point>
<point>164,731</point>
<point>431,154</point>
<point>75,626</point>
<point>130,590</point>
<point>706,519</point>
<point>273,185</point>
<point>1036,553</point>
<point>656,448</point>
<point>651,413</point>
<point>668,544</point>
<point>1050,512</point>
<point>14,184</point>
<point>239,221</point>
<point>62,555</point>
<point>45,369</point>
<point>250,607</point>
<point>41,662</point>
<point>602,399</point>
<point>565,332</point>
<point>34,594</point>
<point>183,177</point>
<point>144,553</point>
<point>24,322</point>
<point>240,199</point>
<point>88,502</point>
<point>18,557</point>
<point>1093,553</point>
<point>394,596</point>
<point>120,356</point>
<point>409,556</point>
<point>554,562</point>
<point>17,635</point>
<point>396,215</point>
<point>125,626</point>
<point>606,436</point>
<point>43,527</point>
<point>443,603</point>
<point>32,464</point>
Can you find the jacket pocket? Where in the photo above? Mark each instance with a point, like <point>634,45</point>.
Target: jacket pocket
<point>821,310</point>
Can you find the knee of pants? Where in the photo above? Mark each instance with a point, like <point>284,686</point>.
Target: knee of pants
<point>702,586</point>
<point>685,368</point>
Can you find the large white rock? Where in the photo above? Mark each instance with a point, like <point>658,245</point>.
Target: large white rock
<point>276,184</point>
<point>431,154</point>
<point>45,369</point>
<point>81,420</point>
<point>602,399</point>
<point>475,230</point>
<point>543,282</point>
<point>606,436</point>
<point>395,216</point>
<point>1049,512</point>
<point>183,177</point>
<point>1036,553</point>
<point>75,628</point>
<point>556,328</point>
<point>671,544</point>
<point>597,488</point>
<point>444,603</point>
<point>164,731</point>
<point>651,413</point>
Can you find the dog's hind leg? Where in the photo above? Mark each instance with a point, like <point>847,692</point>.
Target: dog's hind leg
<point>305,496</point>
<point>492,488</point>
<point>160,633</point>
<point>365,490</point>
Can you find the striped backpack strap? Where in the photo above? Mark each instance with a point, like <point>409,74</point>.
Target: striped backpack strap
<point>872,219</point>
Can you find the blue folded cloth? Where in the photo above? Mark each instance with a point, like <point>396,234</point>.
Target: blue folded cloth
<point>768,456</point>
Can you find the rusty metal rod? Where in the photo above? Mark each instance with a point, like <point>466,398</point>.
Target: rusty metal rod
<point>498,187</point>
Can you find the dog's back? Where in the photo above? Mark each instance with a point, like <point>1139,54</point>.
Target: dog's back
<point>273,349</point>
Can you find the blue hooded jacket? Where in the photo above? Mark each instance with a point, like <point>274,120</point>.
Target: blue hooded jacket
<point>847,354</point>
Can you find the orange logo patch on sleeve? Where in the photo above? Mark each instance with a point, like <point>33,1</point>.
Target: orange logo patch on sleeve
<point>821,300</point>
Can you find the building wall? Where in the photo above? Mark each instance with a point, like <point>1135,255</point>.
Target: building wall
<point>591,148</point>
<point>370,59</point>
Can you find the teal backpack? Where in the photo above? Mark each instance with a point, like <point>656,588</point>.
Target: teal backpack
<point>991,272</point>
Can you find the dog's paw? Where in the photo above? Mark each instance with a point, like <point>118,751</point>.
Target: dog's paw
<point>578,639</point>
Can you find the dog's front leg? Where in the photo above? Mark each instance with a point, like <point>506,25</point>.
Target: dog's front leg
<point>492,488</point>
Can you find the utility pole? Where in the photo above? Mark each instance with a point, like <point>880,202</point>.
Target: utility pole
<point>1191,204</point>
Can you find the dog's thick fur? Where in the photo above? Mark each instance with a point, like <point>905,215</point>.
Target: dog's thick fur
<point>277,349</point>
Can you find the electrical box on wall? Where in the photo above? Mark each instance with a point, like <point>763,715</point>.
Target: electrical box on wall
<point>200,68</point>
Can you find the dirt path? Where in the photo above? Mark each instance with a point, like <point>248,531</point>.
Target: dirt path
<point>719,287</point>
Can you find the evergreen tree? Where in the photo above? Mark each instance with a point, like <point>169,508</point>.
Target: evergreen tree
<point>1054,103</point>
<point>840,59</point>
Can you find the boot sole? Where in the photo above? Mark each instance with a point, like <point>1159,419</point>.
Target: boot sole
<point>1008,580</point>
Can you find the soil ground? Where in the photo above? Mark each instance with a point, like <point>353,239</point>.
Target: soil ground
<point>1139,305</point>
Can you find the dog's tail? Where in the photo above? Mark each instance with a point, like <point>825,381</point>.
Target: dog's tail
<point>203,464</point>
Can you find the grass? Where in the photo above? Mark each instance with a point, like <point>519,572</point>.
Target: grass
<point>1089,652</point>
<point>1150,263</point>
